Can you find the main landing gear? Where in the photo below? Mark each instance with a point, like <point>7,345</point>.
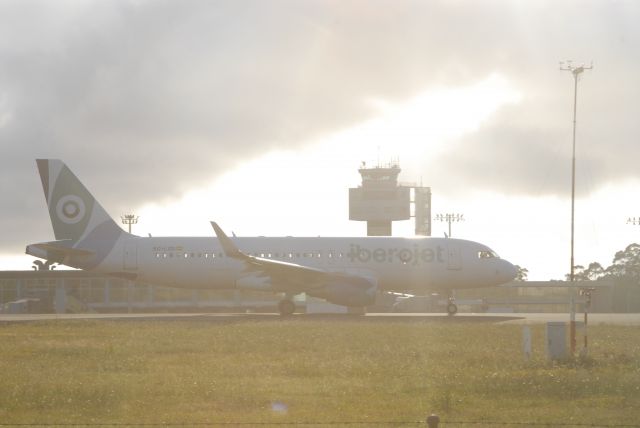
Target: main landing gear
<point>286,306</point>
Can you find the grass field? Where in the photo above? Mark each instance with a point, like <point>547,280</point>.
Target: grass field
<point>301,371</point>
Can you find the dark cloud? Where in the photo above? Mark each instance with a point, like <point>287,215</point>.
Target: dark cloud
<point>172,93</point>
<point>527,148</point>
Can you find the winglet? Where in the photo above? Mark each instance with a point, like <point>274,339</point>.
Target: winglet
<point>230,249</point>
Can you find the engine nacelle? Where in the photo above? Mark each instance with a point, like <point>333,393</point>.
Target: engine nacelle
<point>254,282</point>
<point>347,290</point>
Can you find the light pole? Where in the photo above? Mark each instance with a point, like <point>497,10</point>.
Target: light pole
<point>129,219</point>
<point>576,71</point>
<point>449,218</point>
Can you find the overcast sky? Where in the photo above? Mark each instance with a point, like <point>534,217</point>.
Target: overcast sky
<point>149,101</point>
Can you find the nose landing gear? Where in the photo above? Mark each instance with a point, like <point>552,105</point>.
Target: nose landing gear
<point>452,308</point>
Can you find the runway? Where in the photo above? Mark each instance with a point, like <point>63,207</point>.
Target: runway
<point>535,318</point>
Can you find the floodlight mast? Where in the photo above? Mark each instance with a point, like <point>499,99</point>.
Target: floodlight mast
<point>129,219</point>
<point>576,71</point>
<point>450,218</point>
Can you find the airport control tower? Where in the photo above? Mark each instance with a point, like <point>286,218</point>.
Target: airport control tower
<point>381,199</point>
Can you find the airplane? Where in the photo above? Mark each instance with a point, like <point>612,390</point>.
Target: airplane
<point>341,270</point>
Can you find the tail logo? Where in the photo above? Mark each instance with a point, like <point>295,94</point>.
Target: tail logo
<point>70,209</point>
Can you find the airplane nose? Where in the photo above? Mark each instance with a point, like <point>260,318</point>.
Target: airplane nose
<point>509,271</point>
<point>505,272</point>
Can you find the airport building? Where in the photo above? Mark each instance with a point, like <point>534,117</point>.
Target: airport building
<point>74,291</point>
<point>533,297</point>
<point>70,291</point>
<point>381,199</point>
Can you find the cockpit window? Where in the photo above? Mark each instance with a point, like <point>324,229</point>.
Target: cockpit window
<point>487,254</point>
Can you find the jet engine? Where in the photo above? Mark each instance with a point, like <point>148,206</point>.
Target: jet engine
<point>347,290</point>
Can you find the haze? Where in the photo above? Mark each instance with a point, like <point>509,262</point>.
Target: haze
<point>257,115</point>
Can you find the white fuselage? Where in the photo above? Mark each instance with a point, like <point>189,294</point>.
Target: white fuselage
<point>395,264</point>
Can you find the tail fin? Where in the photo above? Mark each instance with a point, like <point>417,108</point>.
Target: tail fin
<point>75,214</point>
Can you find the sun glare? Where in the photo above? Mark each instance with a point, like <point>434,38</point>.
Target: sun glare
<point>427,121</point>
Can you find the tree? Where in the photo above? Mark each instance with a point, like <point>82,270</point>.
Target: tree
<point>521,274</point>
<point>594,272</point>
<point>624,274</point>
<point>626,264</point>
<point>625,268</point>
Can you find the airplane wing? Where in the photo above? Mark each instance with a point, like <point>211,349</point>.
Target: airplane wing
<point>284,276</point>
<point>335,287</point>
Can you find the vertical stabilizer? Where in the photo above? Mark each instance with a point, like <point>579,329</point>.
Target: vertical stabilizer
<point>74,212</point>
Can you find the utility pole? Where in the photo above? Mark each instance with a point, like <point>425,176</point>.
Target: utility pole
<point>129,219</point>
<point>576,71</point>
<point>449,218</point>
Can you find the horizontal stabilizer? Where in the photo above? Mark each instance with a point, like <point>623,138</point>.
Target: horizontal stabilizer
<point>59,249</point>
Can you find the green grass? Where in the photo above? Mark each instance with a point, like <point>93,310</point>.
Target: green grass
<point>185,372</point>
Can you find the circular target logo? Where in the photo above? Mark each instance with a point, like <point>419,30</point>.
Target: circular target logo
<point>70,209</point>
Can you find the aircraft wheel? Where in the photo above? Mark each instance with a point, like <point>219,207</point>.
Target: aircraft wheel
<point>452,309</point>
<point>286,307</point>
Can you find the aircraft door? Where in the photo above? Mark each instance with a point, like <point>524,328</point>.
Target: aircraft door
<point>131,255</point>
<point>453,256</point>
